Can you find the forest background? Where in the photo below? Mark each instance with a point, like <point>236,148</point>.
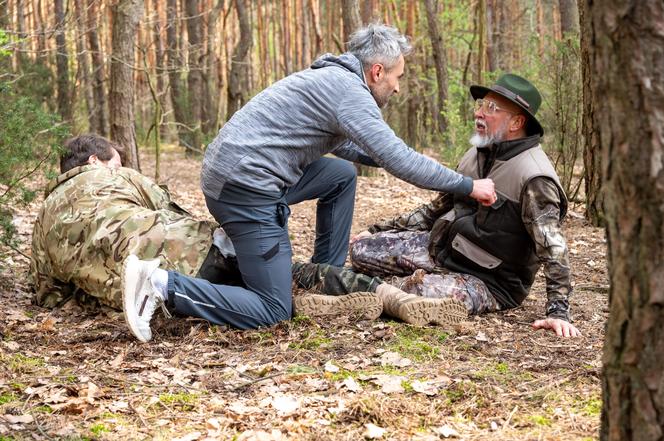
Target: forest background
<point>148,73</point>
<point>152,74</point>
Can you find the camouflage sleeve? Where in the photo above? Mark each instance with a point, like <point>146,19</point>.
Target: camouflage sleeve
<point>49,292</point>
<point>420,219</point>
<point>541,216</point>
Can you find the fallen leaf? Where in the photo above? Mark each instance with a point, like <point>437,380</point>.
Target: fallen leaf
<point>352,385</point>
<point>424,387</point>
<point>481,336</point>
<point>189,437</point>
<point>389,383</point>
<point>372,431</point>
<point>394,359</point>
<point>285,404</point>
<point>330,367</point>
<point>18,419</point>
<point>446,432</point>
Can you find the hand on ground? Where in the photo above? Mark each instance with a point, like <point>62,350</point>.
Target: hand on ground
<point>560,327</point>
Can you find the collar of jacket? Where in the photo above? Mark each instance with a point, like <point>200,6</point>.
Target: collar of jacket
<point>66,176</point>
<point>506,150</point>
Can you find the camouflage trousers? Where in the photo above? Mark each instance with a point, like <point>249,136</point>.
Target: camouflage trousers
<point>405,253</point>
<point>332,280</point>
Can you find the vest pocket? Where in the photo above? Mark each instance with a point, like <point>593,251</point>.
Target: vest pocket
<point>474,253</point>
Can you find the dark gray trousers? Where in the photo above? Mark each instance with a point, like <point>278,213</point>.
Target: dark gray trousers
<point>257,224</point>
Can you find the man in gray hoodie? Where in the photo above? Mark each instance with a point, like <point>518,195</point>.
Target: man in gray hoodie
<point>270,155</point>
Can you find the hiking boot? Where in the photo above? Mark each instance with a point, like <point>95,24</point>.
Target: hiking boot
<point>366,305</point>
<point>139,299</point>
<point>418,310</point>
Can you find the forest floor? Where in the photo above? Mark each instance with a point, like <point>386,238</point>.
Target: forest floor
<point>75,374</point>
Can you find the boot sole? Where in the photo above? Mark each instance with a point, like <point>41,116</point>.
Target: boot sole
<point>128,284</point>
<point>366,305</point>
<point>442,312</point>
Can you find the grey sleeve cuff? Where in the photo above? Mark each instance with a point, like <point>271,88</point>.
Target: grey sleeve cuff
<point>466,186</point>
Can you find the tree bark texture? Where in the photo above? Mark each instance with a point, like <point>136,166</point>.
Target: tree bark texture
<point>351,17</point>
<point>237,86</point>
<point>627,66</point>
<point>126,16</point>
<point>194,22</point>
<point>99,92</point>
<point>591,153</point>
<point>569,17</point>
<point>178,97</point>
<point>440,61</point>
<point>82,57</point>
<point>61,61</point>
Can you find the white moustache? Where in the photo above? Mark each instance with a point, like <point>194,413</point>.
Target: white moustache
<point>480,123</point>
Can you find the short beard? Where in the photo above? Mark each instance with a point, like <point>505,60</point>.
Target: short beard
<point>480,141</point>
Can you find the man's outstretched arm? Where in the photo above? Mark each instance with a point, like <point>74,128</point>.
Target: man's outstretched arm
<point>541,216</point>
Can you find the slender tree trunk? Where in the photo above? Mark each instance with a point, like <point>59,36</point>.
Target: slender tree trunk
<point>159,55</point>
<point>99,92</point>
<point>314,5</point>
<point>84,65</point>
<point>569,17</point>
<point>126,16</point>
<point>626,63</point>
<point>237,92</point>
<point>210,86</point>
<point>351,17</point>
<point>62,60</point>
<point>481,34</point>
<point>591,152</point>
<point>195,77</point>
<point>178,97</point>
<point>440,60</point>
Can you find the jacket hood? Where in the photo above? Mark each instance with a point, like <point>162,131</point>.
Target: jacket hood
<point>346,61</point>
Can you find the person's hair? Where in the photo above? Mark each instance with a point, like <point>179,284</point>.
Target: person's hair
<point>78,149</point>
<point>379,43</point>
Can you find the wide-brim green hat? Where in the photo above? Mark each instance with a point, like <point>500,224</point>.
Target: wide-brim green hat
<point>518,90</point>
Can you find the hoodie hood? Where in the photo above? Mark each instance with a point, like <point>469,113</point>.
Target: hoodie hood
<point>346,61</point>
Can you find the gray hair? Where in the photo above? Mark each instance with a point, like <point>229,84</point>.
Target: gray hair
<point>378,43</point>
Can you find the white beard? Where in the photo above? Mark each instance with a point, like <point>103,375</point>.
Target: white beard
<point>479,141</point>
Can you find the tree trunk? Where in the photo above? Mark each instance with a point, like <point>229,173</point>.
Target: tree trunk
<point>178,97</point>
<point>440,60</point>
<point>159,55</point>
<point>126,16</point>
<point>626,64</point>
<point>591,153</point>
<point>569,17</point>
<point>237,91</point>
<point>351,17</point>
<point>99,111</point>
<point>195,77</point>
<point>210,88</point>
<point>83,65</point>
<point>62,63</point>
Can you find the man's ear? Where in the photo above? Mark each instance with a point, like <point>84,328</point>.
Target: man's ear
<point>92,159</point>
<point>519,123</point>
<point>377,71</point>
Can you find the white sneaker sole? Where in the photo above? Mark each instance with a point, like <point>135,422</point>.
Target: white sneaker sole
<point>129,292</point>
<point>366,305</point>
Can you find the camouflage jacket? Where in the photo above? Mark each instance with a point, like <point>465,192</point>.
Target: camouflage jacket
<point>94,217</point>
<point>540,215</point>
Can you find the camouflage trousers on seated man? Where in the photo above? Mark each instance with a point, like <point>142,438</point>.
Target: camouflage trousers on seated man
<point>402,259</point>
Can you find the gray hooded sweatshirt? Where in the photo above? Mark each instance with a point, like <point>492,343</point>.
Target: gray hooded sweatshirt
<point>328,108</point>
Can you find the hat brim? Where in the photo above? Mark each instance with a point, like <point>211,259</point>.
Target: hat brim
<point>478,92</point>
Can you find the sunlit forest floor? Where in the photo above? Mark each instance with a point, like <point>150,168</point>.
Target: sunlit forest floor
<point>76,374</point>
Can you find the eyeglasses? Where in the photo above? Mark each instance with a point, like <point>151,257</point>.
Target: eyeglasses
<point>489,107</point>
